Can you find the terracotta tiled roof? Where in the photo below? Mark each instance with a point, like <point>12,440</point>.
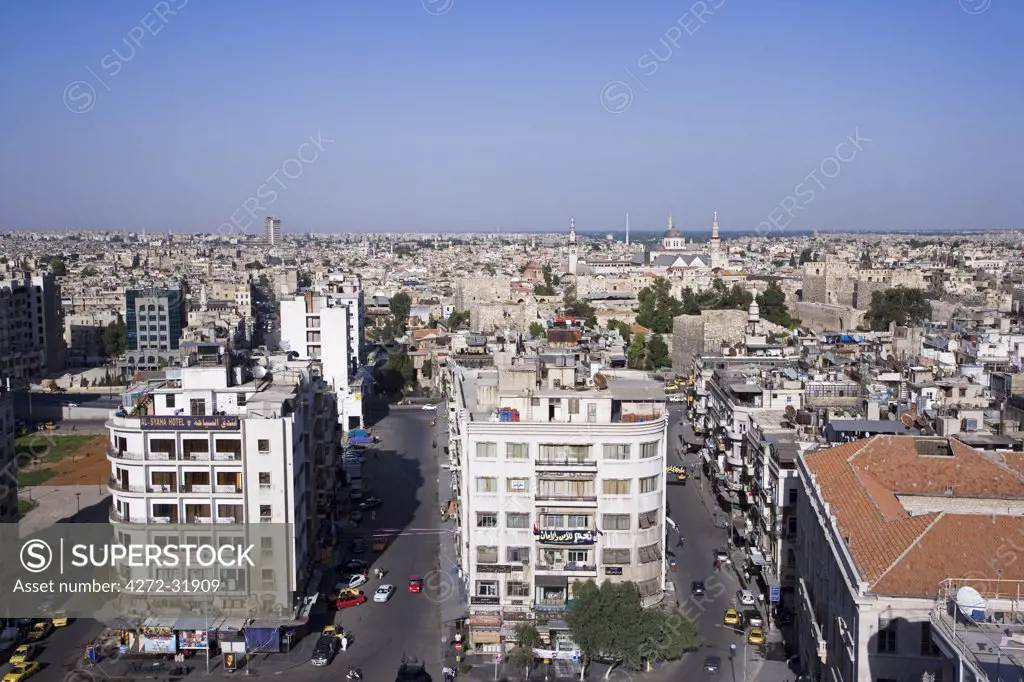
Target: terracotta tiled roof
<point>639,329</point>
<point>897,553</point>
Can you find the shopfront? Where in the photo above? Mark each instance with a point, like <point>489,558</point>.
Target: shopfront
<point>485,633</point>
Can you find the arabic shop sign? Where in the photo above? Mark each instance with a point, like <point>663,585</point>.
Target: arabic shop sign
<point>189,423</point>
<point>566,537</point>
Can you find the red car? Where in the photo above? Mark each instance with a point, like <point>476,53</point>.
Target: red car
<point>415,584</point>
<point>349,600</point>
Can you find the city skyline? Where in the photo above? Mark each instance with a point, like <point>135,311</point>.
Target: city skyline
<point>518,117</point>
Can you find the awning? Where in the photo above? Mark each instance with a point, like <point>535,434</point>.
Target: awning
<point>757,559</point>
<point>551,581</point>
<point>485,636</point>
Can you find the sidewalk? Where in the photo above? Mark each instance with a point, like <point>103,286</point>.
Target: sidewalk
<point>452,599</point>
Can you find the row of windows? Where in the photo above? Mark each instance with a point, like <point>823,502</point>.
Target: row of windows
<point>521,520</point>
<point>562,488</point>
<point>613,556</point>
<point>565,451</point>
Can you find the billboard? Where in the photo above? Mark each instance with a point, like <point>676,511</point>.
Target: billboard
<point>190,423</point>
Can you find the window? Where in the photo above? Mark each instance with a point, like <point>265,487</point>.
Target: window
<point>591,412</point>
<point>487,554</point>
<point>886,635</point>
<point>486,450</point>
<point>574,405</point>
<point>240,399</point>
<point>648,450</point>
<point>579,556</point>
<point>197,407</point>
<point>486,484</point>
<point>263,445</point>
<point>487,588</point>
<point>792,525</point>
<point>264,479</point>
<point>615,486</point>
<point>562,452</point>
<point>486,520</point>
<point>928,646</point>
<point>517,485</point>
<point>577,521</point>
<point>618,451</point>
<point>517,450</point>
<point>517,589</point>
<point>170,399</point>
<point>615,522</point>
<point>552,521</point>
<point>563,489</point>
<point>648,519</point>
<point>517,555</point>
<point>265,511</point>
<point>313,322</point>
<point>517,520</point>
<point>649,484</point>
<point>615,557</point>
<point>793,492</point>
<point>790,558</point>
<point>650,553</point>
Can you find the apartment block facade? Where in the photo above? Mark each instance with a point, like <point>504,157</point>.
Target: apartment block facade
<point>555,481</point>
<point>226,443</point>
<point>31,328</point>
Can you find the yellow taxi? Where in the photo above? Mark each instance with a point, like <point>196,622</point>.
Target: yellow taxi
<point>40,630</point>
<point>60,619</point>
<point>330,631</point>
<point>342,594</point>
<point>22,671</point>
<point>756,636</point>
<point>732,617</point>
<point>23,654</point>
<point>50,426</point>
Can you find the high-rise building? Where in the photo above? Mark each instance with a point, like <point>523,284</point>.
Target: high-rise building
<point>230,441</point>
<point>8,461</point>
<point>314,323</point>
<point>272,226</point>
<point>155,319</point>
<point>558,476</point>
<point>31,327</point>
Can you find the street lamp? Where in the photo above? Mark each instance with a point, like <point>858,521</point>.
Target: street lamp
<point>732,651</point>
<point>78,500</point>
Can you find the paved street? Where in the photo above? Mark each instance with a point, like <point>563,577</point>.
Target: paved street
<point>694,512</point>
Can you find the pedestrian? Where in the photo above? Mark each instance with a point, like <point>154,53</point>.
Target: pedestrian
<point>344,642</point>
<point>680,540</point>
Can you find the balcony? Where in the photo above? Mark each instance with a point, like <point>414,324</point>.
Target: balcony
<point>567,499</point>
<point>566,462</point>
<point>227,456</point>
<point>139,456</point>
<point>117,517</point>
<point>571,567</point>
<point>214,519</point>
<point>197,488</point>
<point>733,459</point>
<point>115,485</point>
<point>227,489</point>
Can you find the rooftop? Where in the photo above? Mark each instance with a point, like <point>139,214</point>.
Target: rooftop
<point>867,483</point>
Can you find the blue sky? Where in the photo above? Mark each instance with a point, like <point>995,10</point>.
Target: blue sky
<point>472,114</point>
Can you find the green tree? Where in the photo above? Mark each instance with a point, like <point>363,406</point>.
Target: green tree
<point>536,330</point>
<point>658,307</point>
<point>543,290</point>
<point>88,271</point>
<point>792,261</point>
<point>527,639</point>
<point>806,256</point>
<point>400,304</point>
<point>397,374</point>
<point>427,370</point>
<point>622,328</point>
<point>576,307</point>
<point>772,304</point>
<point>902,305</point>
<point>457,319</point>
<point>636,353</point>
<point>657,353</point>
<point>115,339</point>
<point>57,267</point>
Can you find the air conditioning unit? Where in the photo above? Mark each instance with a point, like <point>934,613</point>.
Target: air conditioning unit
<point>232,586</point>
<point>823,651</point>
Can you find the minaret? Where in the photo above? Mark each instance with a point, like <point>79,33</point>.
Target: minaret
<point>573,253</point>
<point>202,298</point>
<point>753,317</point>
<point>715,247</point>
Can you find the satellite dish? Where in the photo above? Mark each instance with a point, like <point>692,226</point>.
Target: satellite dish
<point>259,371</point>
<point>790,412</point>
<point>600,381</point>
<point>971,604</point>
<point>285,346</point>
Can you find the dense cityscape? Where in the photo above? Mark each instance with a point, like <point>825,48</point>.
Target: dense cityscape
<point>512,342</point>
<point>496,453</point>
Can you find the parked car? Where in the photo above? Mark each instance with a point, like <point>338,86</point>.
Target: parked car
<point>745,597</point>
<point>325,650</point>
<point>722,558</point>
<point>697,588</point>
<point>712,664</point>
<point>22,672</point>
<point>429,408</point>
<point>752,617</point>
<point>350,600</point>
<point>355,566</point>
<point>350,580</point>
<point>40,630</point>
<point>68,403</point>
<point>23,654</point>
<point>345,592</point>
<point>380,543</point>
<point>756,636</point>
<point>415,584</point>
<point>383,593</point>
<point>370,503</point>
<point>732,617</point>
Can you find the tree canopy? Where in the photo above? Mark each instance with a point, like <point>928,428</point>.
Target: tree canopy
<point>718,297</point>
<point>543,290</point>
<point>57,267</point>
<point>397,373</point>
<point>575,307</point>
<point>772,304</point>
<point>622,328</point>
<point>610,621</point>
<point>658,307</point>
<point>115,339</point>
<point>536,330</point>
<point>902,305</point>
<point>527,639</point>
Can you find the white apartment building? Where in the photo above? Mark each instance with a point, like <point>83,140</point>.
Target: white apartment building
<point>889,529</point>
<point>228,444</point>
<point>327,326</point>
<point>559,477</point>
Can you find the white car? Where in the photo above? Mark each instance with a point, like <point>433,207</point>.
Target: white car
<point>676,398</point>
<point>429,408</point>
<point>349,582</point>
<point>69,404</point>
<point>383,593</point>
<point>746,597</point>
